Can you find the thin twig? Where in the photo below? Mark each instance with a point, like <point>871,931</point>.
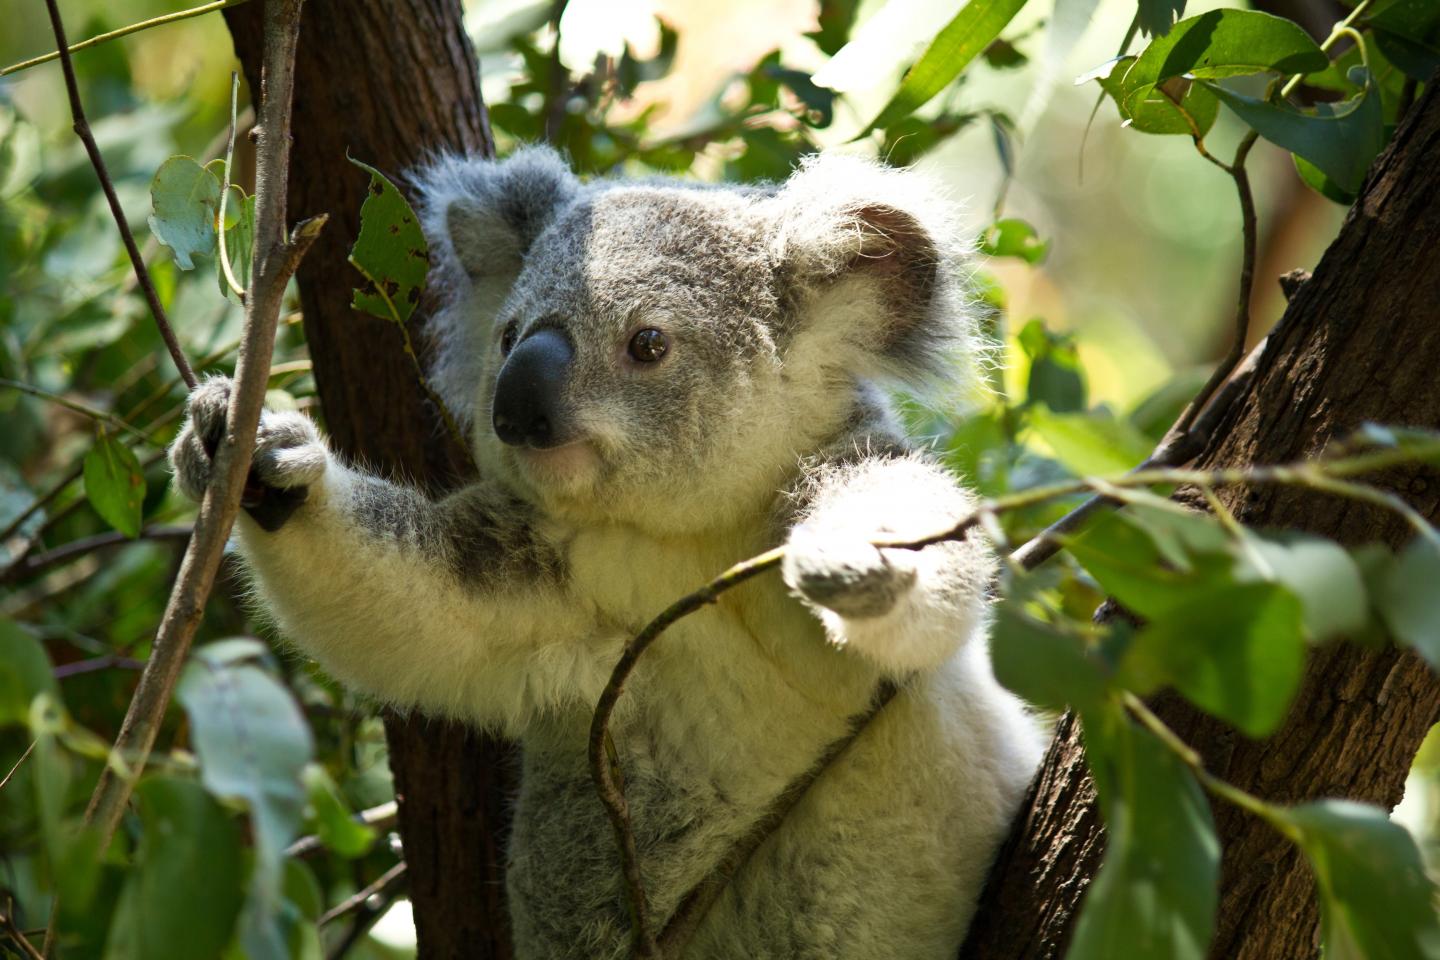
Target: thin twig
<point>604,763</point>
<point>392,876</point>
<point>225,267</point>
<point>14,933</point>
<point>381,818</point>
<point>84,409</point>
<point>122,32</point>
<point>1249,230</point>
<point>82,130</point>
<point>79,548</point>
<point>22,759</point>
<point>274,259</point>
<point>109,661</point>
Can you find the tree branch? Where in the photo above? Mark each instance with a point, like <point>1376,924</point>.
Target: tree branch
<point>275,259</point>
<point>122,32</point>
<point>78,548</point>
<point>82,130</point>
<point>382,883</point>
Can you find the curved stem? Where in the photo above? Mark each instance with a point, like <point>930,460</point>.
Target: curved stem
<point>122,32</point>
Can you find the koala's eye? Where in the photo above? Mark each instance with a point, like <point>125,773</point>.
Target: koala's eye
<point>648,345</point>
<point>507,339</point>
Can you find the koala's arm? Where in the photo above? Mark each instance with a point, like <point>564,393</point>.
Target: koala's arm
<point>456,606</point>
<point>905,610</point>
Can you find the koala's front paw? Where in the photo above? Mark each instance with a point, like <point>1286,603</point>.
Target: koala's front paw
<point>844,573</point>
<point>289,454</point>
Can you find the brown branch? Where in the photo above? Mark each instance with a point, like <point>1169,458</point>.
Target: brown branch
<point>82,130</point>
<point>78,548</point>
<point>13,932</point>
<point>275,258</point>
<point>1249,232</point>
<point>109,661</point>
<point>23,757</point>
<point>384,882</point>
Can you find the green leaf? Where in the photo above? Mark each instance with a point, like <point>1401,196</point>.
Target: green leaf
<point>334,824</point>
<point>1340,140</point>
<point>253,744</point>
<point>239,243</point>
<point>1319,572</point>
<point>1221,43</point>
<point>963,39</point>
<point>1376,902</point>
<point>390,252</point>
<point>185,200</point>
<point>1056,378</point>
<point>1311,176</point>
<point>1156,17</point>
<point>181,900</point>
<point>1408,598</point>
<point>1149,568</point>
<point>1177,106</point>
<point>24,673</point>
<point>1155,894</point>
<point>1043,666</point>
<point>115,484</point>
<point>1235,652</point>
<point>1093,443</point>
<point>1012,237</point>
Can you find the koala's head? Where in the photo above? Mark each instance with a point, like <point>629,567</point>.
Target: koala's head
<point>664,353</point>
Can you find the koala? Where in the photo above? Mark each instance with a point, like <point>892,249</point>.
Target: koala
<point>659,379</point>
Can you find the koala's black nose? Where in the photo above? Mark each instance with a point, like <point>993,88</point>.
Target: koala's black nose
<point>528,393</point>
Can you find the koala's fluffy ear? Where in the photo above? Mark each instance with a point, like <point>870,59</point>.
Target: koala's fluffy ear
<point>482,216</point>
<point>885,243</point>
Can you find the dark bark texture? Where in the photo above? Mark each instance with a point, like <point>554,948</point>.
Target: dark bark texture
<point>1360,342</point>
<point>388,82</point>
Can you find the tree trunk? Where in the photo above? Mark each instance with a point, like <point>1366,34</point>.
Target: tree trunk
<point>389,82</point>
<point>1359,342</point>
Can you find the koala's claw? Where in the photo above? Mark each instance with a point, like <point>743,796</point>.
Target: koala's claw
<point>289,453</point>
<point>844,573</point>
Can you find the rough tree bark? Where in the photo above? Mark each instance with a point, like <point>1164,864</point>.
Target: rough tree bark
<point>389,81</point>
<point>1359,342</point>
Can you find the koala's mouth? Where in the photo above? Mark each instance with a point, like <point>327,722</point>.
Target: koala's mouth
<point>576,460</point>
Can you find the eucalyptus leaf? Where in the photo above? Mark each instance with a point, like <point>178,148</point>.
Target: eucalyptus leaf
<point>1340,140</point>
<point>1178,106</point>
<point>1236,652</point>
<point>185,200</point>
<point>1156,17</point>
<point>24,673</point>
<point>334,824</point>
<point>181,900</point>
<point>1408,598</point>
<point>1155,894</point>
<point>115,484</point>
<point>390,252</point>
<point>253,746</point>
<point>1094,443</point>
<point>1376,901</point>
<point>1319,572</point>
<point>1012,237</point>
<point>961,40</point>
<point>1042,665</point>
<point>1221,43</point>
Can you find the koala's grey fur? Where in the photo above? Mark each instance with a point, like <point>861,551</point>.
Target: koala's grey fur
<point>785,310</point>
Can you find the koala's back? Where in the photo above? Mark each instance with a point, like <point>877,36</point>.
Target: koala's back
<point>884,856</point>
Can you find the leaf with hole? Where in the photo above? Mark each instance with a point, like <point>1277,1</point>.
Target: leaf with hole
<point>184,202</point>
<point>961,40</point>
<point>115,484</point>
<point>390,252</point>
